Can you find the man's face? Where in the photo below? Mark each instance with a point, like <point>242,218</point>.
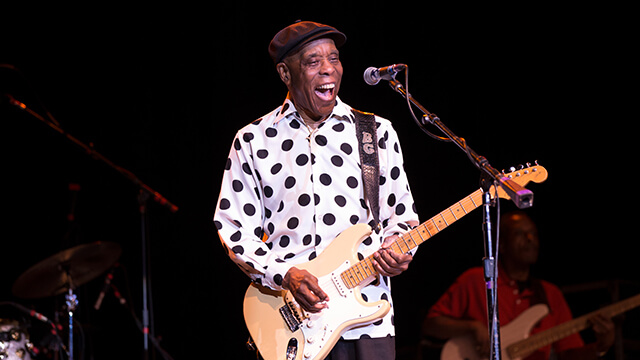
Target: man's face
<point>521,243</point>
<point>313,76</point>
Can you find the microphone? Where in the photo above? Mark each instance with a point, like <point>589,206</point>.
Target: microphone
<point>372,75</point>
<point>105,288</point>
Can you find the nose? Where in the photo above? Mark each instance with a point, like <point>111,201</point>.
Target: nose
<point>326,67</point>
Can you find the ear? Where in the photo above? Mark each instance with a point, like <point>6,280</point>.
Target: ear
<point>285,74</point>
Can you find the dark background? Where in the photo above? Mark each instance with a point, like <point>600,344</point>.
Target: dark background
<point>161,90</point>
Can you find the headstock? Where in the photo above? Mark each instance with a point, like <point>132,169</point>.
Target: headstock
<point>524,175</point>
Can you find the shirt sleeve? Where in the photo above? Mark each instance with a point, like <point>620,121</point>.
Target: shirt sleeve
<point>397,209</point>
<point>239,219</point>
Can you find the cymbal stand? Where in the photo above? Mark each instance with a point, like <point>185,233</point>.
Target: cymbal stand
<point>71,300</point>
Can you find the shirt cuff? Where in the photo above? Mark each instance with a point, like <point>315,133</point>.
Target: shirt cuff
<point>274,274</point>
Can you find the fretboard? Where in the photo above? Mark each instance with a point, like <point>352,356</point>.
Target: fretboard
<point>364,271</point>
<point>527,346</point>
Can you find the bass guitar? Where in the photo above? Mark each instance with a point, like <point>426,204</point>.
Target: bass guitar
<point>515,339</point>
<point>281,329</point>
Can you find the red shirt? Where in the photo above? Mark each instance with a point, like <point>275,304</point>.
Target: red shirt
<point>467,299</point>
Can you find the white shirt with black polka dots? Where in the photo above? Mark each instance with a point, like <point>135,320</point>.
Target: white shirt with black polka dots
<point>287,192</point>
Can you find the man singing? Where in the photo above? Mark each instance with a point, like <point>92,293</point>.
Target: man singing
<point>293,182</point>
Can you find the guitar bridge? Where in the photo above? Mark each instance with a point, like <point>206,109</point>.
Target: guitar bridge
<point>290,314</point>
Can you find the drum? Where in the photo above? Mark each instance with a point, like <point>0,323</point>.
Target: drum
<point>14,341</point>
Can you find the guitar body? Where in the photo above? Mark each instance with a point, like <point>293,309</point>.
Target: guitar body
<point>463,347</point>
<point>307,336</point>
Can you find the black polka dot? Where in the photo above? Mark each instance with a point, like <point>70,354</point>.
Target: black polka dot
<point>227,166</point>
<point>294,124</point>
<point>260,252</point>
<point>277,278</point>
<point>249,209</point>
<point>236,144</point>
<point>268,191</point>
<point>238,249</point>
<point>346,148</point>
<point>354,219</point>
<point>340,200</point>
<point>306,240</point>
<point>329,219</point>
<point>271,132</point>
<point>336,160</point>
<point>276,168</point>
<point>352,182</point>
<point>304,199</point>
<point>391,200</point>
<point>237,185</point>
<point>400,209</point>
<point>287,145</point>
<point>224,204</point>
<point>325,179</point>
<point>289,182</point>
<point>321,140</point>
<point>302,159</point>
<point>236,236</point>
<point>395,173</point>
<point>284,241</point>
<point>247,137</point>
<point>293,223</point>
<point>338,127</point>
<point>247,169</point>
<point>262,153</point>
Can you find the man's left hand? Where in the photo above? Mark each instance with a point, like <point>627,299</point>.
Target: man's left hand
<point>388,262</point>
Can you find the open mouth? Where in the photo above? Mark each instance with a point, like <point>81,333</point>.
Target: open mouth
<point>325,91</point>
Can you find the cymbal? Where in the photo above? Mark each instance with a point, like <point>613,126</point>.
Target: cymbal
<point>67,269</point>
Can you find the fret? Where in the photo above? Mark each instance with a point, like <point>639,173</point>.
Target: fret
<point>445,220</point>
<point>425,226</point>
<point>415,244</point>
<point>434,224</point>
<point>405,244</point>
<point>452,213</point>
<point>474,203</point>
<point>462,206</point>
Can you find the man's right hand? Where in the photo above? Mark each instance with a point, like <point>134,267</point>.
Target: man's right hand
<point>305,289</point>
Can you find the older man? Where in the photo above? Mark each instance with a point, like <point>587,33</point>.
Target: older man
<point>293,182</point>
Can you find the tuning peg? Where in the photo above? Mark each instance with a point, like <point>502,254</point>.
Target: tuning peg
<point>503,173</point>
<point>521,167</point>
<point>512,169</point>
<point>528,164</point>
<point>536,162</point>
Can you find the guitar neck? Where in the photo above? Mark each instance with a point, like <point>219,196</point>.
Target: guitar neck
<point>364,270</point>
<point>527,346</point>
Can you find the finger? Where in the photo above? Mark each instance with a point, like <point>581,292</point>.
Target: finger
<point>399,258</point>
<point>383,264</point>
<point>313,285</point>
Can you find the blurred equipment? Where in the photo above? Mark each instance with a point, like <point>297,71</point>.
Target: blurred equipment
<point>66,270</point>
<point>14,341</point>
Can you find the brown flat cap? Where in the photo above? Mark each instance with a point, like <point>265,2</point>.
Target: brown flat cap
<point>300,33</point>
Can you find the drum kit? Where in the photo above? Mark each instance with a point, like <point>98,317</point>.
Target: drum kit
<point>61,273</point>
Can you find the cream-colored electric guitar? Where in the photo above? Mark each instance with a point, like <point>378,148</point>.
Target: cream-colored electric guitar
<point>279,327</point>
<point>515,340</point>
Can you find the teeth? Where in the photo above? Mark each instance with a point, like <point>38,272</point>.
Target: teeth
<point>326,86</point>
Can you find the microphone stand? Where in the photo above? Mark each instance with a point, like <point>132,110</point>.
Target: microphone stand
<point>523,198</point>
<point>145,193</point>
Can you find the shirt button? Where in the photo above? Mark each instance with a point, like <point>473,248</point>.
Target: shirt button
<point>515,291</point>
<point>518,301</point>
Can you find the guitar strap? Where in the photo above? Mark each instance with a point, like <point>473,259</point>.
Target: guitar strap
<point>366,132</point>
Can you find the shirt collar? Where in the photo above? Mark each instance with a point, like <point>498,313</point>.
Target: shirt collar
<point>341,111</point>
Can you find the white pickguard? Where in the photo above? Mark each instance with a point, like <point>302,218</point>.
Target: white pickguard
<point>463,348</point>
<point>343,308</point>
